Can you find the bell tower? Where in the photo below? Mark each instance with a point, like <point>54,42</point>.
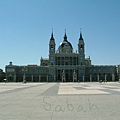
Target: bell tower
<point>81,44</point>
<point>52,44</point>
<point>52,50</point>
<point>81,50</point>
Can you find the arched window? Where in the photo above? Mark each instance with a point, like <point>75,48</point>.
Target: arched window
<point>81,46</point>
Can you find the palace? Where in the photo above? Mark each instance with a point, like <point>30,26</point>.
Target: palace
<point>63,65</point>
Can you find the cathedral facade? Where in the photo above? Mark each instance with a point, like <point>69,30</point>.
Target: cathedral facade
<point>63,65</point>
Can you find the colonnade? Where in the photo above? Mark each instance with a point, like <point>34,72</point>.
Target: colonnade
<point>69,76</point>
<point>104,77</point>
<point>66,61</point>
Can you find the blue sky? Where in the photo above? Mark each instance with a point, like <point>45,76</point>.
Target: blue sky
<point>26,26</point>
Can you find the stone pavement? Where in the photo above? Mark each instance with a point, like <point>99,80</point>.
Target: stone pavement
<point>60,101</point>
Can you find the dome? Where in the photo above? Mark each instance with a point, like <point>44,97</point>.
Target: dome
<point>65,43</point>
<point>65,46</point>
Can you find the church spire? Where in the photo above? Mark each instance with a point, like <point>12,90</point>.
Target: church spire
<point>65,36</point>
<point>52,37</point>
<point>81,38</point>
<point>52,44</point>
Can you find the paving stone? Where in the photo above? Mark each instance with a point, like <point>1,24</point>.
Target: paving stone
<point>60,101</point>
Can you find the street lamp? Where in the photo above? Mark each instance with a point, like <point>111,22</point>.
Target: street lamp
<point>24,69</point>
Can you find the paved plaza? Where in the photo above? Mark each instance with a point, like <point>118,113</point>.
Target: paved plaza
<point>60,101</point>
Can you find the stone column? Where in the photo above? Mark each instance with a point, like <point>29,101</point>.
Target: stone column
<point>98,77</point>
<point>72,61</point>
<point>68,62</point>
<point>47,78</point>
<point>57,60</point>
<point>83,78</point>
<point>14,77</point>
<point>32,78</point>
<point>90,77</point>
<point>60,60</point>
<point>113,77</point>
<point>39,78</point>
<point>105,77</point>
<point>54,78</point>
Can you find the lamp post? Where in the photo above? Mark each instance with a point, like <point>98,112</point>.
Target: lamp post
<point>24,69</point>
